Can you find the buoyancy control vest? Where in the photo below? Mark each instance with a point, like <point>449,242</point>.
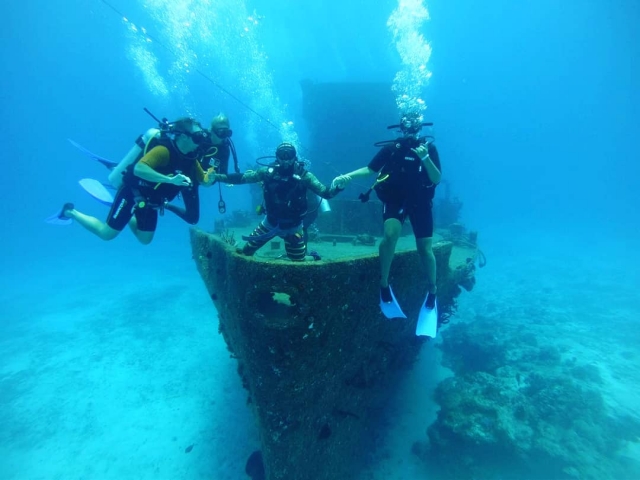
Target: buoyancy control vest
<point>404,168</point>
<point>285,197</point>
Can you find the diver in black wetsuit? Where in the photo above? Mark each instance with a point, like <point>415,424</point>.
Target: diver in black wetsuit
<point>214,159</point>
<point>408,171</point>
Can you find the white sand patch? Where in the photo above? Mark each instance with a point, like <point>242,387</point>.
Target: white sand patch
<point>115,378</point>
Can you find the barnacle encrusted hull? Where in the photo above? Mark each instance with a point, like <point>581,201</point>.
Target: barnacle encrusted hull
<point>317,358</point>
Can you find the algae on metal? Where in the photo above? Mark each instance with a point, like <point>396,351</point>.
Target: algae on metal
<point>316,356</point>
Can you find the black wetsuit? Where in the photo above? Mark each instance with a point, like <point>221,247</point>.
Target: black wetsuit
<point>216,157</point>
<point>408,191</point>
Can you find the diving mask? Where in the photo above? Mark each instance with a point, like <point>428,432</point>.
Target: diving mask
<point>411,124</point>
<point>199,137</point>
<point>286,152</point>
<point>222,132</point>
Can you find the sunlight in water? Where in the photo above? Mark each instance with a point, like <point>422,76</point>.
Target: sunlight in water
<point>218,39</point>
<point>147,62</point>
<point>404,24</point>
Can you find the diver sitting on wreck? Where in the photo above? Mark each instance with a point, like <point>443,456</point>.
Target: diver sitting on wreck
<point>284,184</point>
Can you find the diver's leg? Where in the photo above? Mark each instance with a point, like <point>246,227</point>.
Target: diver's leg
<point>428,260</point>
<point>422,223</point>
<point>255,242</point>
<point>179,211</point>
<point>307,221</point>
<point>295,246</point>
<point>92,224</point>
<point>191,200</point>
<point>191,211</point>
<point>143,224</point>
<point>387,248</point>
<point>120,213</point>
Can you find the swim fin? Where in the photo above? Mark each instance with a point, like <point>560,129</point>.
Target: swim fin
<point>59,218</point>
<point>97,190</point>
<point>428,320</point>
<point>107,163</point>
<point>391,309</point>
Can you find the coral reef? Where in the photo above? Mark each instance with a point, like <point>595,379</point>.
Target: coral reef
<point>516,409</point>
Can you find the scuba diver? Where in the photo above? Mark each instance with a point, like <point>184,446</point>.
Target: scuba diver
<point>169,166</point>
<point>214,158</point>
<point>408,172</point>
<point>284,184</point>
<point>213,155</point>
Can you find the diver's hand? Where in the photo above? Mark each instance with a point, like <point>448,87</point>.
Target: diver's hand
<point>210,177</point>
<point>180,180</point>
<point>422,151</point>
<point>340,182</point>
<point>217,177</point>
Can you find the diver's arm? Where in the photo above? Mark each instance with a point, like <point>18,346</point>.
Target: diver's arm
<point>316,186</point>
<point>361,172</point>
<point>145,172</point>
<point>341,181</point>
<point>432,170</point>
<point>250,176</point>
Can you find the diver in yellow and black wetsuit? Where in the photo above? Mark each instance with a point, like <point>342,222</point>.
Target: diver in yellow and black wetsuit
<point>213,155</point>
<point>168,168</point>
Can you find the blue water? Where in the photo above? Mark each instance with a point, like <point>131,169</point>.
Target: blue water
<point>535,109</point>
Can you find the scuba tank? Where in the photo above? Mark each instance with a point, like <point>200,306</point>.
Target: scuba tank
<point>136,153</point>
